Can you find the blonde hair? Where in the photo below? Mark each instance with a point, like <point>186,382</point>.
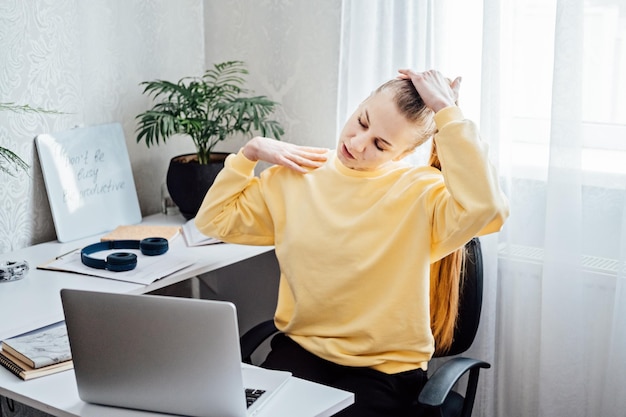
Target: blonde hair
<point>445,274</point>
<point>446,281</point>
<point>412,107</point>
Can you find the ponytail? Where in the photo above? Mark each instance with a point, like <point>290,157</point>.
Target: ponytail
<point>445,274</point>
<point>445,287</point>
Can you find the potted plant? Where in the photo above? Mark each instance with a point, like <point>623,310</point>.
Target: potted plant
<point>209,109</point>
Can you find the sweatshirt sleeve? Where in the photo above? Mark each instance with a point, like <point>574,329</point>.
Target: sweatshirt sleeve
<point>472,202</point>
<point>234,209</point>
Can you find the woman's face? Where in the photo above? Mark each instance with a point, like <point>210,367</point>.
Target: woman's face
<point>376,134</point>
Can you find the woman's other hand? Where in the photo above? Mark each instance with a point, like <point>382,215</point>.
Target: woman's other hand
<point>299,158</point>
<point>436,90</point>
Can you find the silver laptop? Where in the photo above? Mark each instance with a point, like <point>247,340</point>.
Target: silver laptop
<point>165,354</point>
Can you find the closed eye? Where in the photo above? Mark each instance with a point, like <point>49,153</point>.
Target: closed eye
<point>380,144</point>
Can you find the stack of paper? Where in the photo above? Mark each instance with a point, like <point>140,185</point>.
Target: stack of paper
<point>41,352</point>
<point>193,236</point>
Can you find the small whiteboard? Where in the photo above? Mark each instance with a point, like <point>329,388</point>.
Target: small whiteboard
<point>89,180</point>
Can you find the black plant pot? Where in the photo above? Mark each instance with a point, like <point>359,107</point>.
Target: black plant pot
<point>188,181</point>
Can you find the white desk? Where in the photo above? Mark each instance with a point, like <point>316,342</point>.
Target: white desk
<point>34,302</point>
<point>57,395</point>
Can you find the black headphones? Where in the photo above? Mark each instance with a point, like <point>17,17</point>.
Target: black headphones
<point>122,261</point>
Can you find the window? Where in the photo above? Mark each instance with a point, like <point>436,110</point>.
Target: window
<point>600,92</point>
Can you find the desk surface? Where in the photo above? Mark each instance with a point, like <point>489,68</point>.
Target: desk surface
<point>57,395</point>
<point>34,302</point>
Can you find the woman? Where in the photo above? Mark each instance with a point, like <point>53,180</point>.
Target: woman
<point>356,231</point>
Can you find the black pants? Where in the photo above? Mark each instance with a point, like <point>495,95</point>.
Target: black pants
<point>377,394</point>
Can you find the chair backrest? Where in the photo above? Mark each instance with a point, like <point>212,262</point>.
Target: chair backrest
<point>470,300</point>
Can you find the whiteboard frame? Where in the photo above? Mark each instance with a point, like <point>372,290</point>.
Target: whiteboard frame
<point>89,180</point>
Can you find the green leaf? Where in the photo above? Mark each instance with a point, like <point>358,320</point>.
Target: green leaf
<point>209,109</point>
<point>10,162</point>
<point>25,108</point>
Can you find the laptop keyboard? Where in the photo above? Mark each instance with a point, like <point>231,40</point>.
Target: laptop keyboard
<point>252,395</point>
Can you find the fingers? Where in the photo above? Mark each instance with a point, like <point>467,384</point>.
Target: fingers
<point>303,158</point>
<point>456,85</point>
<point>304,155</point>
<point>299,158</point>
<point>313,153</point>
<point>286,162</point>
<point>299,164</point>
<point>408,74</point>
<point>436,90</point>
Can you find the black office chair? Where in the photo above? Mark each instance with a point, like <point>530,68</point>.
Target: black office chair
<point>437,396</point>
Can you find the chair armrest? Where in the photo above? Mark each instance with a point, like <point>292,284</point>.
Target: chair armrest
<point>253,338</point>
<point>440,384</point>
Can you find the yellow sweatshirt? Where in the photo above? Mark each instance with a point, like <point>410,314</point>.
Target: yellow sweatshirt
<point>355,247</point>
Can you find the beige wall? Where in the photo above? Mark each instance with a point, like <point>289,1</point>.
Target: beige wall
<point>87,59</point>
<point>292,51</point>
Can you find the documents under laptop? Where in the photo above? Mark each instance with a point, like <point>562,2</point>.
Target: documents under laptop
<point>165,354</point>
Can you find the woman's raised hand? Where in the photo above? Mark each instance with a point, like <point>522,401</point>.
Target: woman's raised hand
<point>299,158</point>
<point>436,90</point>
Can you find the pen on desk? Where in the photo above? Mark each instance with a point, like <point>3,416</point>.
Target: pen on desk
<point>66,253</point>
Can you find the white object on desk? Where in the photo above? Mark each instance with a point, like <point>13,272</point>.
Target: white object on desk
<point>89,180</point>
<point>194,237</point>
<point>148,270</point>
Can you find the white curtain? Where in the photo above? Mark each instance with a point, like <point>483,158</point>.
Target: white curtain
<point>546,82</point>
<point>377,38</point>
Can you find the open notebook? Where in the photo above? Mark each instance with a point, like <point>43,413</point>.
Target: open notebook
<point>165,354</point>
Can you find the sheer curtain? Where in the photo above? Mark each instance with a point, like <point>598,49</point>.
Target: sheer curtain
<point>546,82</point>
<point>560,338</point>
<point>377,38</point>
